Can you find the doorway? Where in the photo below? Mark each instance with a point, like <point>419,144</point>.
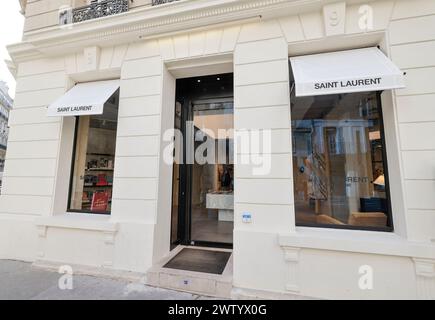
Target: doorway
<point>203,175</point>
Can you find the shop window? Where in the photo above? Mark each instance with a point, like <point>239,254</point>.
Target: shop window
<point>94,160</point>
<point>339,162</point>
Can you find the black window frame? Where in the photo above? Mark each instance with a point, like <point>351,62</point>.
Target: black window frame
<point>71,176</point>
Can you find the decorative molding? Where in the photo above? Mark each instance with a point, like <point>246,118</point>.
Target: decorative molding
<point>42,236</point>
<point>109,237</point>
<point>23,4</point>
<point>42,231</point>
<point>149,22</point>
<point>12,68</point>
<point>109,241</point>
<point>291,256</point>
<point>425,272</point>
<point>424,268</point>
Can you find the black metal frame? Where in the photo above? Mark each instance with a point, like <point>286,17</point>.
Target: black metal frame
<point>69,210</point>
<point>185,192</point>
<point>185,185</point>
<point>390,227</point>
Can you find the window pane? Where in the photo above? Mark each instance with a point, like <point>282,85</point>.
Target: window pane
<point>94,160</point>
<point>338,161</point>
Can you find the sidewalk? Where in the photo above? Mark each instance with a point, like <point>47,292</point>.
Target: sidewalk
<point>19,280</point>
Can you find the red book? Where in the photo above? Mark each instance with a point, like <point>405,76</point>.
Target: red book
<point>100,202</point>
<point>102,181</point>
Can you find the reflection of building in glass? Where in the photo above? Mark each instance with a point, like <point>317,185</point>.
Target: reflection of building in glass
<point>5,107</point>
<point>338,154</point>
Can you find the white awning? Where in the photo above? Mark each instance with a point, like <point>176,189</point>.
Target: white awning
<point>345,71</point>
<point>84,99</point>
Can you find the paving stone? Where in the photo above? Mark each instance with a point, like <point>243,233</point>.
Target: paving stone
<point>21,281</point>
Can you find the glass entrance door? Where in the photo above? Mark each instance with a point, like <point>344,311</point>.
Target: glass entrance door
<point>212,172</point>
<point>203,178</point>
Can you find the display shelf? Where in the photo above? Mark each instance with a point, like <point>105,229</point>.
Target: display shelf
<point>100,154</point>
<point>100,169</point>
<point>94,186</point>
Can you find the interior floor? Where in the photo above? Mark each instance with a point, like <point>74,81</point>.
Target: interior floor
<point>207,227</point>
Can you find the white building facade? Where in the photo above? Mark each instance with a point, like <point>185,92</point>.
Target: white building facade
<point>346,210</point>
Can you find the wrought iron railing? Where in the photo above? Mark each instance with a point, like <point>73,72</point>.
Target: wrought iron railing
<point>97,9</point>
<point>157,2</point>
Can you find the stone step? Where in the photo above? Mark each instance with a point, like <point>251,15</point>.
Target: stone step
<point>189,281</point>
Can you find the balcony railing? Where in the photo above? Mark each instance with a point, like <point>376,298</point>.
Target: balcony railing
<point>97,9</point>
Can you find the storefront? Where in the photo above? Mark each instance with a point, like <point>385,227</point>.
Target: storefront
<point>282,138</point>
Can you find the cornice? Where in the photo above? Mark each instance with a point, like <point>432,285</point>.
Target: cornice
<point>23,4</point>
<point>149,22</point>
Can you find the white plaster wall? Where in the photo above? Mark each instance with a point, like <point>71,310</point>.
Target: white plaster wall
<point>262,101</point>
<point>413,50</point>
<point>260,53</point>
<point>29,177</point>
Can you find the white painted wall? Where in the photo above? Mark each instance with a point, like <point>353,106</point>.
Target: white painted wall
<point>271,256</point>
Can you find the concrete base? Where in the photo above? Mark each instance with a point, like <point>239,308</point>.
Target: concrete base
<point>195,282</point>
<point>251,294</point>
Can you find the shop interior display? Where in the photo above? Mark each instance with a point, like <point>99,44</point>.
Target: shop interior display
<point>339,163</point>
<point>94,163</point>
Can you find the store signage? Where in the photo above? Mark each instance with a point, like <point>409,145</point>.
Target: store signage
<point>73,109</point>
<point>347,83</point>
<point>359,70</point>
<point>81,110</point>
<point>84,99</point>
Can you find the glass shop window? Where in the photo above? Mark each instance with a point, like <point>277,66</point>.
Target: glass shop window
<point>94,160</point>
<point>339,162</point>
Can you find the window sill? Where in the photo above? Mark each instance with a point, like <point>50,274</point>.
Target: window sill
<point>357,241</point>
<point>79,221</point>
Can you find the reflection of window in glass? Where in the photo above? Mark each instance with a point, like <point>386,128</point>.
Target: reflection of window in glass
<point>94,160</point>
<point>340,175</point>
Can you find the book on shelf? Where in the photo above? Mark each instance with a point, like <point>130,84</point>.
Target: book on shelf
<point>101,180</point>
<point>100,201</point>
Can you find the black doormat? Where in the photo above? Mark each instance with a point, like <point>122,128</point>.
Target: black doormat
<point>198,260</point>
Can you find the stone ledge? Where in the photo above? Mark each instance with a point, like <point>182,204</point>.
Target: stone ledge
<point>369,242</point>
<point>78,221</point>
